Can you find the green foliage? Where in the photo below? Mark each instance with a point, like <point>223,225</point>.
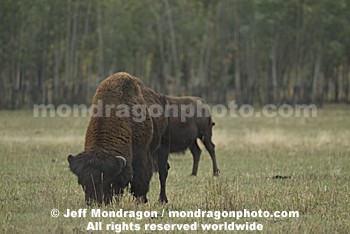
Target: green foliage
<point>58,51</point>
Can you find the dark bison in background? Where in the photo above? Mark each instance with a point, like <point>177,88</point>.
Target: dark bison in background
<point>120,150</point>
<point>185,131</point>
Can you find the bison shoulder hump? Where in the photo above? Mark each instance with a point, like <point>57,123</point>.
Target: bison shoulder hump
<point>121,82</point>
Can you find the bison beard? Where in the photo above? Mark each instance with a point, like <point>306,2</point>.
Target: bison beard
<point>119,150</point>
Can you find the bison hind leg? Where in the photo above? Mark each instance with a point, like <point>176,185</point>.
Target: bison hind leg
<point>196,153</point>
<point>209,145</point>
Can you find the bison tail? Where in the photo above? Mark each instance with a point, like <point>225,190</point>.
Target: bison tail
<point>211,123</point>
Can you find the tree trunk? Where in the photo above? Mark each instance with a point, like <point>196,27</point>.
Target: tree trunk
<point>173,46</point>
<point>204,58</point>
<point>100,41</point>
<point>315,80</point>
<point>66,91</point>
<point>299,48</point>
<point>336,84</point>
<point>274,70</point>
<point>74,58</point>
<point>85,57</point>
<point>56,86</point>
<point>251,69</point>
<point>346,83</point>
<point>161,73</point>
<point>237,74</point>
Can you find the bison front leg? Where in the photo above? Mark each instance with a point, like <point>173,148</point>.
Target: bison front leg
<point>196,153</point>
<point>141,178</point>
<point>209,145</point>
<point>163,168</point>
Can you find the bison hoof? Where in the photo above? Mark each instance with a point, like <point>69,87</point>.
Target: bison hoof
<point>142,199</point>
<point>163,200</point>
<point>193,174</point>
<point>217,173</point>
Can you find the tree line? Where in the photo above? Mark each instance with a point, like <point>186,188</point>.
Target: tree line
<point>252,51</point>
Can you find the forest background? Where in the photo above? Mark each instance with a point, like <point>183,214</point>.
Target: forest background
<point>253,52</point>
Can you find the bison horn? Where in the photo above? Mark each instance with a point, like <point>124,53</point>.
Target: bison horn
<point>122,158</point>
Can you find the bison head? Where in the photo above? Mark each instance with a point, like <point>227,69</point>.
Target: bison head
<point>100,176</point>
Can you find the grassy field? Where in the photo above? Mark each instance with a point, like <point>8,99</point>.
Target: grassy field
<point>314,152</point>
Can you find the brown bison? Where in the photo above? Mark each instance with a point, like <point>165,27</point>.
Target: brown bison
<point>190,119</point>
<point>119,147</point>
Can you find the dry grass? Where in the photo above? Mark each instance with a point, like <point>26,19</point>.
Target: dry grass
<point>283,138</point>
<point>34,176</point>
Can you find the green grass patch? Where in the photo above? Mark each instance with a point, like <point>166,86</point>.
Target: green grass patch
<point>313,152</point>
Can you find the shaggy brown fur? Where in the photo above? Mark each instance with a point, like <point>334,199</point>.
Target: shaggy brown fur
<point>184,134</point>
<point>117,149</point>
